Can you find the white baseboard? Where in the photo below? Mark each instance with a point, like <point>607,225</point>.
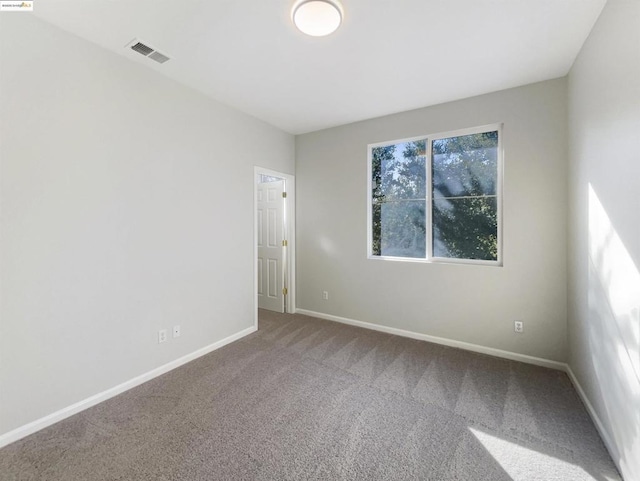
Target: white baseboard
<point>561,366</point>
<point>604,434</point>
<point>514,356</point>
<point>64,413</point>
<point>57,416</point>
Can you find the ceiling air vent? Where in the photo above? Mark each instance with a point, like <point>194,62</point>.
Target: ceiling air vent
<point>141,48</point>
<point>158,57</point>
<point>147,51</point>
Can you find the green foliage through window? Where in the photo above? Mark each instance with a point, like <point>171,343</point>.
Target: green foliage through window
<point>461,188</point>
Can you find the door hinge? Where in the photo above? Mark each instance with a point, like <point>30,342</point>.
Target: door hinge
<point>285,291</point>
<point>284,195</point>
<point>285,243</point>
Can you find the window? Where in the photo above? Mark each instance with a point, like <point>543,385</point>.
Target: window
<point>437,197</point>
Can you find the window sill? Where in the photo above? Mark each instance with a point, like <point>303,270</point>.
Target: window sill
<point>439,260</point>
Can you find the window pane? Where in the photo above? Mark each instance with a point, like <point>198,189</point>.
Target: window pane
<point>398,171</point>
<point>465,228</point>
<point>465,165</point>
<point>399,199</point>
<point>463,190</point>
<point>465,178</point>
<point>403,232</point>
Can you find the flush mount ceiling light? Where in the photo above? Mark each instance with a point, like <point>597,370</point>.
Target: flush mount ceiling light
<point>317,17</point>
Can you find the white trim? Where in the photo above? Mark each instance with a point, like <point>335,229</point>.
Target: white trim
<point>466,131</point>
<point>64,413</point>
<point>428,185</point>
<point>560,366</point>
<point>604,434</point>
<point>290,208</point>
<point>370,148</point>
<point>429,139</point>
<point>369,204</point>
<point>514,356</point>
<point>500,194</point>
<point>438,260</point>
<point>397,141</point>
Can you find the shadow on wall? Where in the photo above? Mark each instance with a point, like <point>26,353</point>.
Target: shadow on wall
<point>614,329</point>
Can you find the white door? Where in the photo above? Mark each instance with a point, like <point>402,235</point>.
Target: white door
<point>270,219</point>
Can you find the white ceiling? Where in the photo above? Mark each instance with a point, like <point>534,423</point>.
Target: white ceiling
<point>388,56</point>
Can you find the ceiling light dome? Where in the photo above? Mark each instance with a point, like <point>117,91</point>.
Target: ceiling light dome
<point>317,17</point>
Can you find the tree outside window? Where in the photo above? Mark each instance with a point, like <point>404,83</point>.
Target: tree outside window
<point>446,186</point>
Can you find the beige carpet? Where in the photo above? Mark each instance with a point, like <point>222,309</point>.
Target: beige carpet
<point>304,398</point>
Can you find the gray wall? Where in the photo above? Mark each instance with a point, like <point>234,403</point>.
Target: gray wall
<point>604,241</point>
<point>127,206</point>
<point>475,304</point>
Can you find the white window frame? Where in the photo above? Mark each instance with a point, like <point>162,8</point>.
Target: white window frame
<point>429,138</point>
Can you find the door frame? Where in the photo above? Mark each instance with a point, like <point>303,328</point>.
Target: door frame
<point>290,235</point>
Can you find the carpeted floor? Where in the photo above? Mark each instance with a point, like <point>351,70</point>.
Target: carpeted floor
<point>305,398</point>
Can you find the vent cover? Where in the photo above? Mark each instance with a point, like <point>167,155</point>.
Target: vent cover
<point>144,49</point>
<point>158,57</point>
<point>141,48</point>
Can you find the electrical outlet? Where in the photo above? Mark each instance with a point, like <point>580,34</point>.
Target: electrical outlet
<point>518,326</point>
<point>325,295</point>
<point>162,336</point>
<point>176,331</point>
